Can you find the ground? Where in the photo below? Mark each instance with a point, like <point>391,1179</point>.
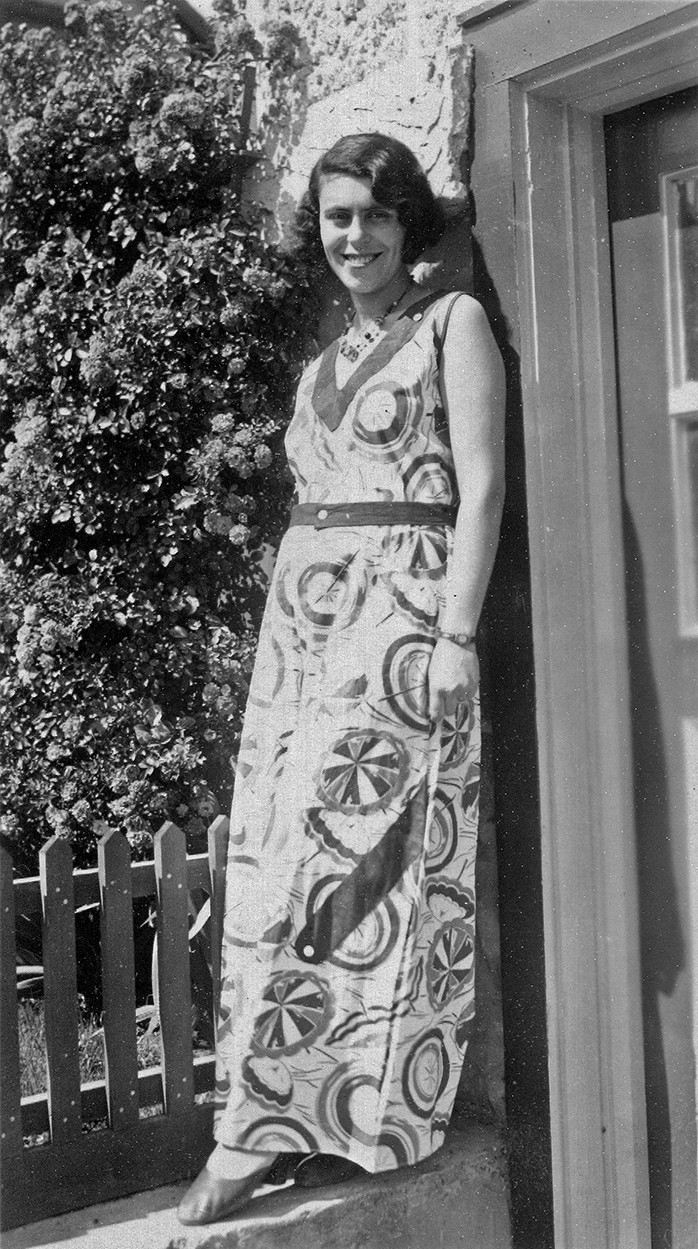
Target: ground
<point>457,1199</point>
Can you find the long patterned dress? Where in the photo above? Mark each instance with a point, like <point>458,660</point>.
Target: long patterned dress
<point>348,988</point>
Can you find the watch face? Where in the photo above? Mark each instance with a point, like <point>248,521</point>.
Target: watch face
<point>463,639</point>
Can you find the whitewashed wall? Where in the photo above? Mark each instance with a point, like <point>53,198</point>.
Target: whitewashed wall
<point>369,65</point>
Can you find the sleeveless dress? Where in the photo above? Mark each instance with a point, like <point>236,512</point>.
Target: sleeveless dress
<point>347,974</point>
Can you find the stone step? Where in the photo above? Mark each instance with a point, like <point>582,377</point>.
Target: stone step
<point>457,1199</point>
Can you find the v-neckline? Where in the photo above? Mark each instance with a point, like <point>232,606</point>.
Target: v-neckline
<point>330,401</point>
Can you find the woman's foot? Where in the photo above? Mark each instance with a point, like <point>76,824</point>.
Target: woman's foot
<point>317,1170</point>
<point>224,1185</point>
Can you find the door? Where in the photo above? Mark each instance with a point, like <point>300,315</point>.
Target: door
<point>652,165</point>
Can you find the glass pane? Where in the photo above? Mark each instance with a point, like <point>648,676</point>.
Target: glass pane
<point>687,239</point>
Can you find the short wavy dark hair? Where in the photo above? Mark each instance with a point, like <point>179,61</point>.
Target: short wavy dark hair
<point>397,181</point>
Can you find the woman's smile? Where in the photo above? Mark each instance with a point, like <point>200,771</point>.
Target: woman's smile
<point>360,260</point>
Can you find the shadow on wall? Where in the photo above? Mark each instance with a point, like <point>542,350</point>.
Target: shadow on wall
<point>507,626</point>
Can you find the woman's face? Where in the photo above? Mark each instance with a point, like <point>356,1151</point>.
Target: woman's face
<point>362,239</point>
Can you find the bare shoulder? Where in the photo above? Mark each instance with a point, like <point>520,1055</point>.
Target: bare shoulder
<point>467,314</point>
<point>468,335</point>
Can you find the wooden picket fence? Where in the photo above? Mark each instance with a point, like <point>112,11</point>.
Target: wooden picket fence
<point>135,1129</point>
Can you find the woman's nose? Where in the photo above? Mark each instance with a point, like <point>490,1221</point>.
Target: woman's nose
<point>356,228</point>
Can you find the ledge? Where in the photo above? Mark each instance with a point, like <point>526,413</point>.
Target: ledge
<point>457,1199</point>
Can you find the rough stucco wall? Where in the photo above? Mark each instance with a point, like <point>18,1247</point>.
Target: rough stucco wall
<point>394,69</point>
<point>343,37</point>
<point>385,65</point>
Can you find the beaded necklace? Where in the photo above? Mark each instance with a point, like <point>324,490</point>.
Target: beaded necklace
<point>355,342</point>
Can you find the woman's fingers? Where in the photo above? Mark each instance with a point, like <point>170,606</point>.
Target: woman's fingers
<point>452,678</point>
<point>443,703</point>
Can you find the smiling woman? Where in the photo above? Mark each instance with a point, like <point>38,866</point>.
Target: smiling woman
<point>363,242</point>
<point>396,183</point>
<point>348,977</point>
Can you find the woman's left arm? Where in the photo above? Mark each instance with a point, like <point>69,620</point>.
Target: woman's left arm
<point>472,390</point>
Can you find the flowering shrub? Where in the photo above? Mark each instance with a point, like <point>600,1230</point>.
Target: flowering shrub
<point>149,345</point>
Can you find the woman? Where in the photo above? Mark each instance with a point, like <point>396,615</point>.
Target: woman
<point>348,950</point>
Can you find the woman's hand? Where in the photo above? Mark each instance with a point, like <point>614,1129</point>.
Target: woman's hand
<point>454,673</point>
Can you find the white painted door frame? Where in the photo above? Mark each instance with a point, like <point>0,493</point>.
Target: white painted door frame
<point>598,1126</point>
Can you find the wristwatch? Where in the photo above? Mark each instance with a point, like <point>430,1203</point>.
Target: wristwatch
<point>460,639</point>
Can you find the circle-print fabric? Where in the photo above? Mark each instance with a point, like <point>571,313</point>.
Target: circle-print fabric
<point>363,771</point>
<point>296,1009</point>
<point>373,939</point>
<point>283,1135</point>
<point>332,593</point>
<point>454,737</point>
<point>425,1073</point>
<point>383,423</point>
<point>450,962</point>
<point>443,833</point>
<point>405,670</point>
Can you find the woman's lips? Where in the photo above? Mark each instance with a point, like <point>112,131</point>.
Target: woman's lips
<point>360,262</point>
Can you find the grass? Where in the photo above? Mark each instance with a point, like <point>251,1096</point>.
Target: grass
<point>32,1056</point>
<point>32,1048</point>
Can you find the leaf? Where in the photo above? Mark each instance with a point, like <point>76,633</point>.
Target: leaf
<point>153,712</point>
<point>145,1012</point>
<point>202,918</point>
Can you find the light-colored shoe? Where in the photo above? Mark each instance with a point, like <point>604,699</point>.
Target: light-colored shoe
<point>210,1199</point>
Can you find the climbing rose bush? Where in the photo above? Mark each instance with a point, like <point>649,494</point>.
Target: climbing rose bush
<point>149,345</point>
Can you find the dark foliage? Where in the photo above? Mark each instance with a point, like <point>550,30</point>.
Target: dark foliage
<point>149,344</point>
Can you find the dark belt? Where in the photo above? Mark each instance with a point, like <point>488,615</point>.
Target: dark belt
<point>328,515</point>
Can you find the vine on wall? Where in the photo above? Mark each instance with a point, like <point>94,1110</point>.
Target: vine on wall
<point>149,344</point>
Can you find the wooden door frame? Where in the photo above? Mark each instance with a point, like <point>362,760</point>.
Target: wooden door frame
<point>598,1120</point>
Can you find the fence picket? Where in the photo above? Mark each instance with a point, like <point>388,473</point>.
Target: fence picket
<point>217,857</point>
<point>60,990</point>
<point>173,969</point>
<point>75,1168</point>
<point>118,979</point>
<point>10,1109</point>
